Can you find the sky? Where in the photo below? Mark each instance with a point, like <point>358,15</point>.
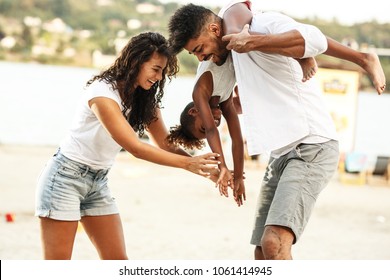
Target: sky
<point>345,11</point>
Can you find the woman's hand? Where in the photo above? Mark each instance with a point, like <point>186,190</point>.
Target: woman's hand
<point>203,165</point>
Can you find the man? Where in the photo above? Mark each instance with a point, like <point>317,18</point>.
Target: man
<point>282,114</point>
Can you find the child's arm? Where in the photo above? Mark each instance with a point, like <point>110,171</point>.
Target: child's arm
<point>230,114</point>
<point>201,96</point>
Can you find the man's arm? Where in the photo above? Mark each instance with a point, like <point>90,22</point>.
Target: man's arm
<point>285,36</point>
<point>290,43</point>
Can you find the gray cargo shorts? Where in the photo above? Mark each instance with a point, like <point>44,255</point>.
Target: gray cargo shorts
<point>291,185</point>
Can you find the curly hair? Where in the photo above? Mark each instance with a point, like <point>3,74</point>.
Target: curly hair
<point>187,23</point>
<point>181,135</point>
<point>139,105</point>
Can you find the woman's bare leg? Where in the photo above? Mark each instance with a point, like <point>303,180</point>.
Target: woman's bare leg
<point>57,238</point>
<point>106,233</point>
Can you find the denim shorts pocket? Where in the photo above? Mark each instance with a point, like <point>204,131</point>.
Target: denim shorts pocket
<point>309,152</point>
<point>69,171</point>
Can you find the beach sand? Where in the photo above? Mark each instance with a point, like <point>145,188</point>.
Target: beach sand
<point>171,214</point>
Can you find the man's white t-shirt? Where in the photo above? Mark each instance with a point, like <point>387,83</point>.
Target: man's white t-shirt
<point>279,110</point>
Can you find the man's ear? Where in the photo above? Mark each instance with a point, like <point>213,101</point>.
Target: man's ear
<point>215,28</point>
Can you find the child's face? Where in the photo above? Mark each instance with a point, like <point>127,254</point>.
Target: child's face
<point>199,130</point>
<point>151,71</point>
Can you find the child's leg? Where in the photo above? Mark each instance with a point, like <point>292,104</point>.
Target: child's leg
<point>368,61</point>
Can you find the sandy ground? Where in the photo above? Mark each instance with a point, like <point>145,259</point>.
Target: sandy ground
<point>172,214</point>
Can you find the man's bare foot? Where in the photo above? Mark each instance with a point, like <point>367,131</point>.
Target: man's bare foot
<point>374,70</point>
<point>309,68</point>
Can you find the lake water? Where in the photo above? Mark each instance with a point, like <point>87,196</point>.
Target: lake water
<point>37,104</point>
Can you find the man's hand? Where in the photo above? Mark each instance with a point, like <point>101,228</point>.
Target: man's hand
<point>239,41</point>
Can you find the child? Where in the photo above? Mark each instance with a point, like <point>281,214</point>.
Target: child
<point>212,97</point>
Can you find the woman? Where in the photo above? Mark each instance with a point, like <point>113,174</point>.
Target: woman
<point>119,102</point>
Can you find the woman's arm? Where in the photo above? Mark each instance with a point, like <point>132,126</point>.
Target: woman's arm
<point>110,116</point>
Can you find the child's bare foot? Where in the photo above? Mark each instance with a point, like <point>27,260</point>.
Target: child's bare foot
<point>374,69</point>
<point>309,67</point>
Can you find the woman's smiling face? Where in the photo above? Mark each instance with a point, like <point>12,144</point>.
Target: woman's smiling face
<point>151,71</point>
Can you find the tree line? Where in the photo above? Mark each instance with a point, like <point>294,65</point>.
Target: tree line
<point>105,20</point>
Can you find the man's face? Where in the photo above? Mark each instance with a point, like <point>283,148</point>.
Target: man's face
<point>209,45</point>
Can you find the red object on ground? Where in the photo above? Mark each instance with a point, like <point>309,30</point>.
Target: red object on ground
<point>9,217</point>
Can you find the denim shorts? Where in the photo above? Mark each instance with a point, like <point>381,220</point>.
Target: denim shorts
<point>291,186</point>
<point>68,190</point>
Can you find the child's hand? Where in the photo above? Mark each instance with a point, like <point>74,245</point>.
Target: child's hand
<point>213,175</point>
<point>224,181</point>
<point>239,191</point>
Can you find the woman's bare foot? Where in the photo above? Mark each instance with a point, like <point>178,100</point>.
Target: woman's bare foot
<point>309,67</point>
<point>374,70</point>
